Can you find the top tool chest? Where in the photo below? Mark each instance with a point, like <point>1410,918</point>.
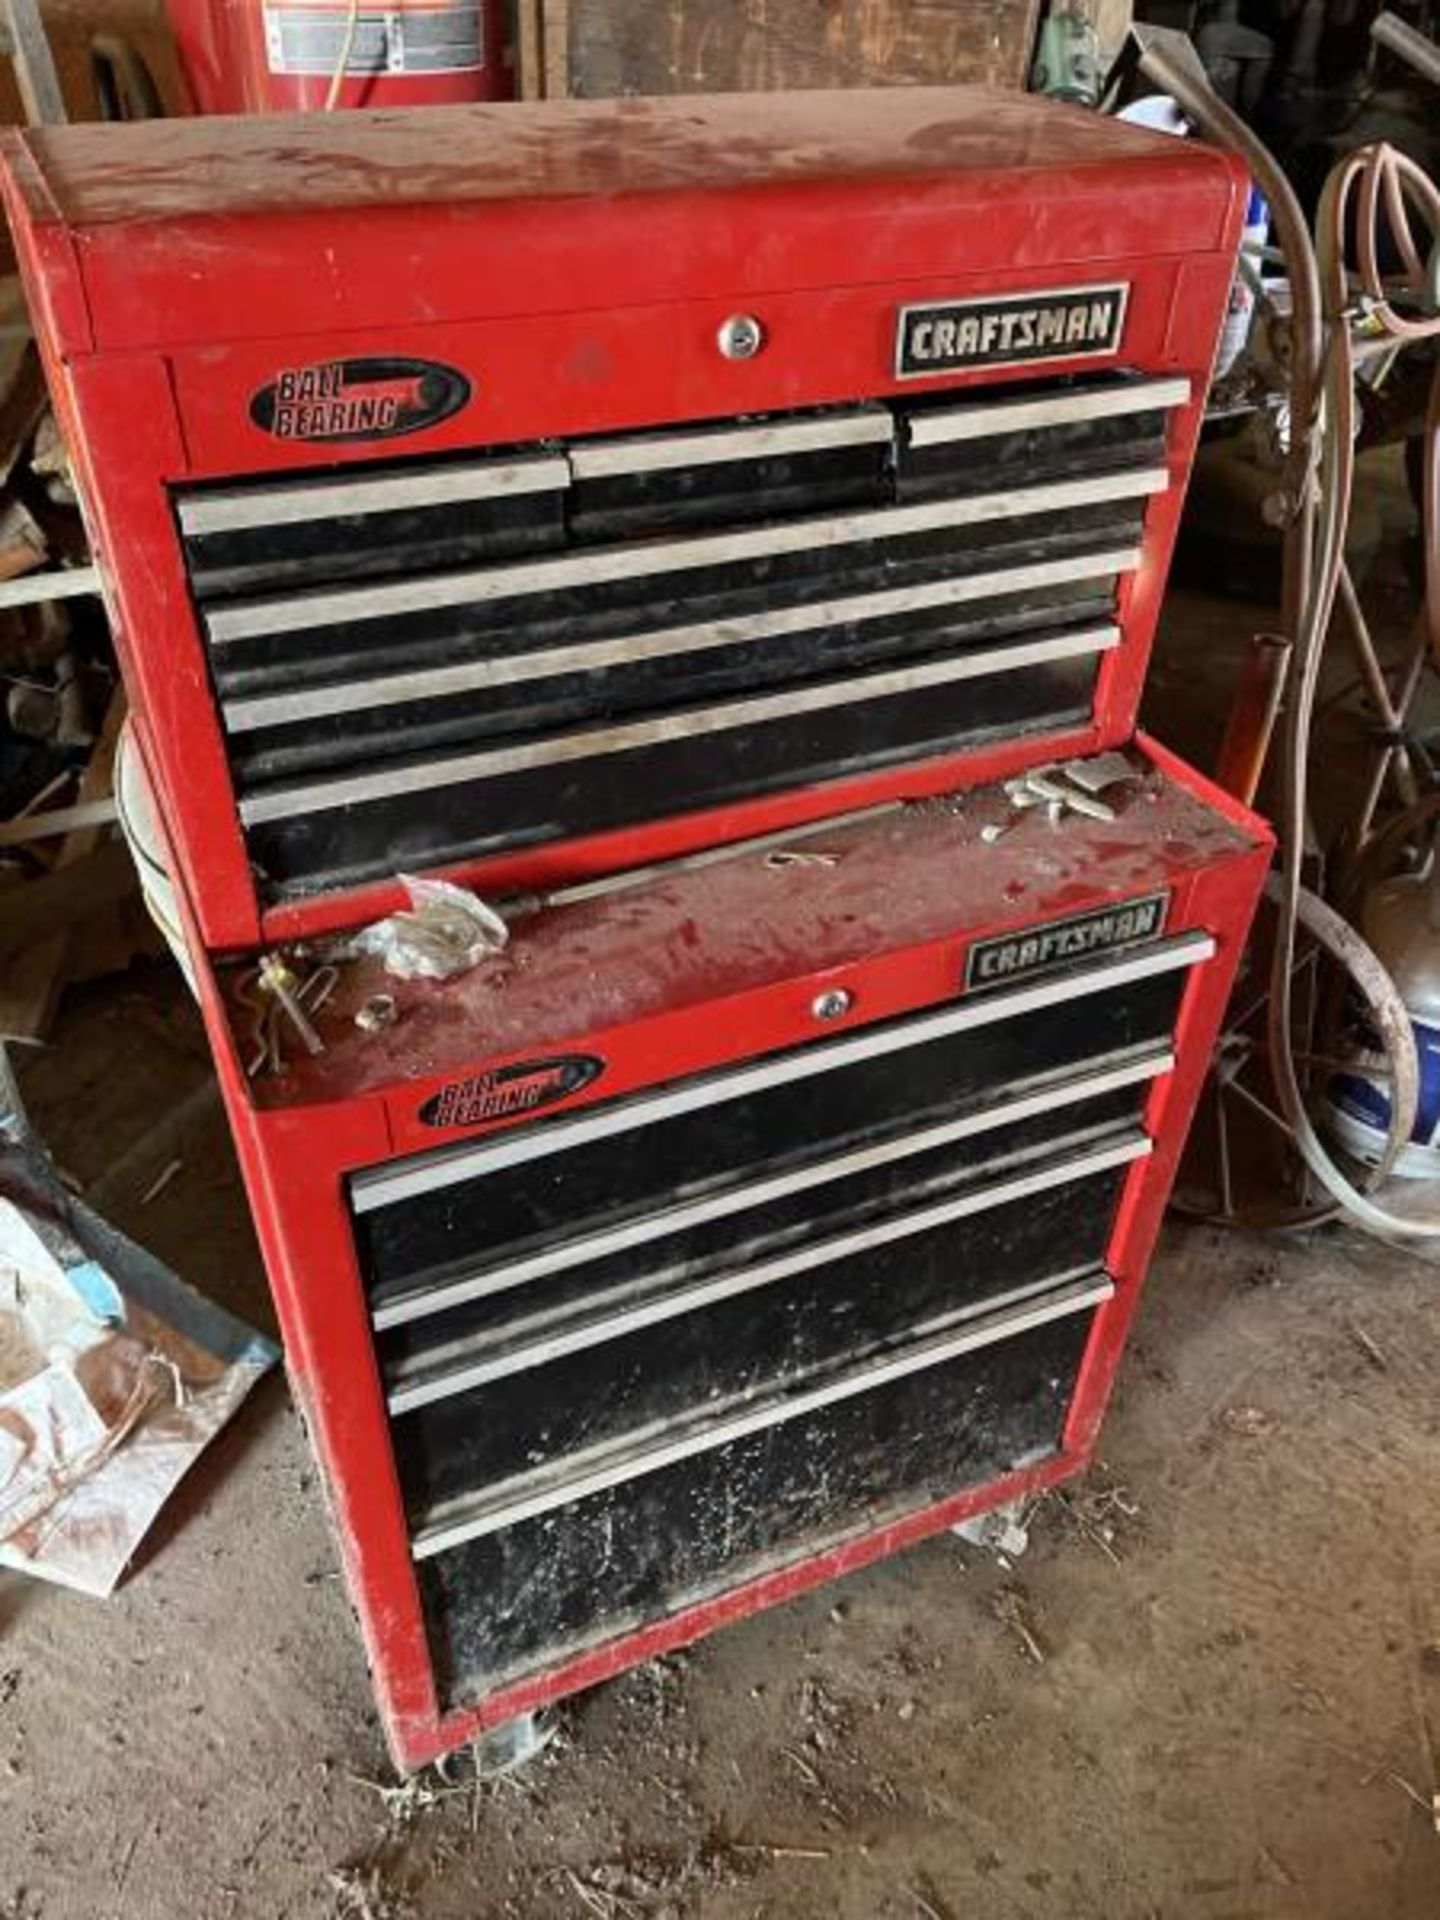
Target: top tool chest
<point>526,493</point>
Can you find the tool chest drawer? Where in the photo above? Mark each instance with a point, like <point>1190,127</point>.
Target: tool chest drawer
<point>365,524</point>
<point>547,637</point>
<point>531,1397</point>
<point>898,1198</point>
<point>1036,431</point>
<point>463,1224</point>
<point>356,827</point>
<point>662,1521</point>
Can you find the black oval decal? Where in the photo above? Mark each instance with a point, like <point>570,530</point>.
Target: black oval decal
<point>370,399</point>
<point>521,1088</point>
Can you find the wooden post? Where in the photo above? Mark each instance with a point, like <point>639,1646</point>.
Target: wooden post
<point>34,64</point>
<point>555,16</point>
<point>529,50</point>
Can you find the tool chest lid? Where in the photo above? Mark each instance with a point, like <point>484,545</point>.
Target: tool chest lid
<point>148,195</point>
<point>98,175</point>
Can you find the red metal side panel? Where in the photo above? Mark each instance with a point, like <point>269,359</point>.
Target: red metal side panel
<point>293,1166</point>
<point>1221,899</point>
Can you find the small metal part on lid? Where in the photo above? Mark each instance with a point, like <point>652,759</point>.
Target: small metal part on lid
<point>741,337</point>
<point>378,1012</point>
<point>785,857</point>
<point>278,980</point>
<point>1102,770</point>
<point>1059,791</point>
<point>1089,806</point>
<point>832,1004</point>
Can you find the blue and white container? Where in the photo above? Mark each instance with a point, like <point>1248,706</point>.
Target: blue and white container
<point>1240,313</point>
<point>1401,922</point>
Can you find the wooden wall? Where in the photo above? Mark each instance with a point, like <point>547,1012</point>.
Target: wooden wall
<point>716,46</point>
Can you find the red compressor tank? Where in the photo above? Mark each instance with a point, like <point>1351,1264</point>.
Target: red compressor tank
<point>288,56</point>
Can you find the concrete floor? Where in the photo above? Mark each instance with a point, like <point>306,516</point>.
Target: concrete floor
<point>1211,1688</point>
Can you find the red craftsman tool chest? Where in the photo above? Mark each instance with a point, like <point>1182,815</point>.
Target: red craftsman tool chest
<point>738,1224</point>
<point>650,514</point>
<point>529,492</point>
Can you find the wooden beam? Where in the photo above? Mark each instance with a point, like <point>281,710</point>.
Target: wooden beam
<point>34,64</point>
<point>29,827</point>
<point>60,583</point>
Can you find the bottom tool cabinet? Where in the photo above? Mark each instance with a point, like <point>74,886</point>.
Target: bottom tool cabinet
<point>739,1223</point>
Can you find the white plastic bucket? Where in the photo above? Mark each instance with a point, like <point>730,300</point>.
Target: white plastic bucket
<point>139,818</point>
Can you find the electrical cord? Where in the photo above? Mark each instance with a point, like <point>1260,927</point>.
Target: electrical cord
<point>1319,479</point>
<point>1386,177</point>
<point>342,64</point>
<point>1163,62</point>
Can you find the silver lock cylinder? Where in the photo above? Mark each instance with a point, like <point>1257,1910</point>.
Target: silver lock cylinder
<point>833,1004</point>
<point>741,337</point>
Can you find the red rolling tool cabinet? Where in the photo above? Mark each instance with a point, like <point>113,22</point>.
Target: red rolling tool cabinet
<point>525,492</point>
<point>677,520</point>
<point>734,1227</point>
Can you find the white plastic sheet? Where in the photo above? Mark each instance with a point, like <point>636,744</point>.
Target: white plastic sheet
<point>114,1376</point>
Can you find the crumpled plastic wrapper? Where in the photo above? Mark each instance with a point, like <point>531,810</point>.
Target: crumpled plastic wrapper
<point>114,1377</point>
<point>445,931</point>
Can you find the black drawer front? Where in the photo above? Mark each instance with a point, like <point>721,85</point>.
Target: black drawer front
<point>566,703</point>
<point>884,576</point>
<point>464,1224</point>
<point>669,1267</point>
<point>363,832</point>
<point>646,485</point>
<point>528,624</point>
<point>766,1340</point>
<point>370,523</point>
<point>530,1593</point>
<point>1028,436</point>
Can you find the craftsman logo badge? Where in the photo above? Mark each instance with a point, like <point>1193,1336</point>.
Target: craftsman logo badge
<point>371,399</point>
<point>1070,323</point>
<point>523,1088</point>
<point>1015,956</point>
